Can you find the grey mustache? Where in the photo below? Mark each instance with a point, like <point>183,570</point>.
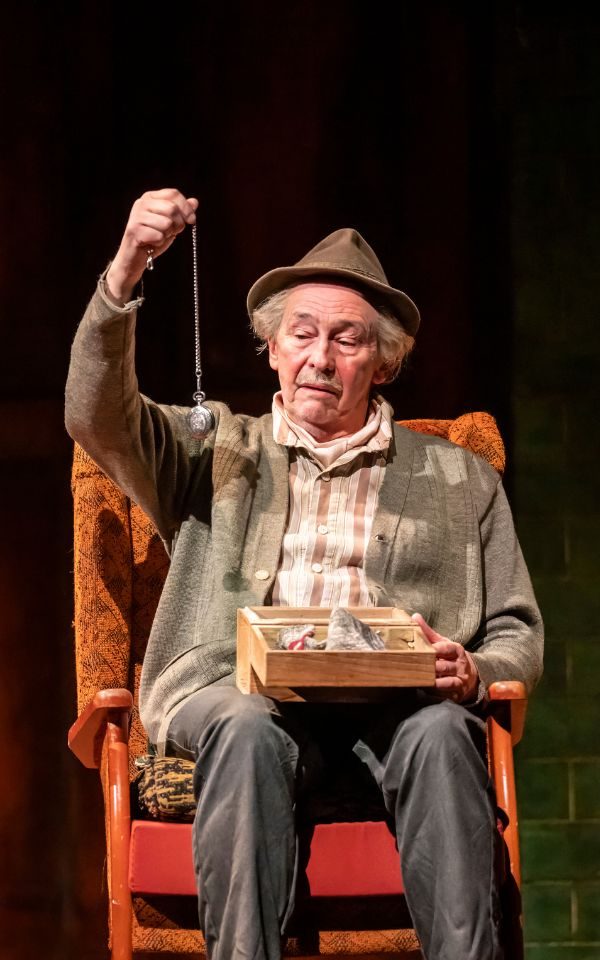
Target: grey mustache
<point>320,381</point>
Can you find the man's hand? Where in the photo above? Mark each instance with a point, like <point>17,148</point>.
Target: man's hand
<point>155,220</point>
<point>456,676</point>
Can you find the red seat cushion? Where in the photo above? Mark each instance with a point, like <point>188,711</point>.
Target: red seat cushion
<point>160,858</point>
<point>353,860</point>
<point>346,859</point>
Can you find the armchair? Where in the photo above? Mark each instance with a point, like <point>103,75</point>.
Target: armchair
<point>120,566</point>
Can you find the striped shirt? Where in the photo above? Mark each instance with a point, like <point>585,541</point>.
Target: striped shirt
<point>334,488</point>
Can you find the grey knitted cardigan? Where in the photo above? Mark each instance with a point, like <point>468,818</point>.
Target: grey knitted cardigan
<point>443,541</point>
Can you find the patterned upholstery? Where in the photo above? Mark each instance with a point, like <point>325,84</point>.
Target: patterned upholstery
<point>477,432</point>
<point>120,568</point>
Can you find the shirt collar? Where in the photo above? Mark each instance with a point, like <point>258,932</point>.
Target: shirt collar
<point>374,436</point>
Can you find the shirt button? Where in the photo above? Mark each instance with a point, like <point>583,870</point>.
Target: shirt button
<point>316,568</point>
<point>326,477</point>
<point>322,528</point>
<point>262,574</point>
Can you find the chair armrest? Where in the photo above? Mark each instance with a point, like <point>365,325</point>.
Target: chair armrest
<point>87,733</point>
<point>513,691</point>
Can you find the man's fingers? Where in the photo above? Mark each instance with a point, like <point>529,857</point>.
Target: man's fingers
<point>455,676</point>
<point>149,237</point>
<point>171,203</point>
<point>194,203</point>
<point>162,216</point>
<point>447,649</point>
<point>447,668</point>
<point>156,218</point>
<point>449,684</point>
<point>154,221</point>
<point>429,632</point>
<point>158,223</point>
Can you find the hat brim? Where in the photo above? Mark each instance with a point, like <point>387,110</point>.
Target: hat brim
<point>379,293</point>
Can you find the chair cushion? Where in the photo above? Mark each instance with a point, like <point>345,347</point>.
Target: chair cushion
<point>160,858</point>
<point>341,860</point>
<point>343,857</point>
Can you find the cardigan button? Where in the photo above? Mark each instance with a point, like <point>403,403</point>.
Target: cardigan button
<point>262,574</point>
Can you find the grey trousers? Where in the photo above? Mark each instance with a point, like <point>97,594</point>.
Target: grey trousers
<point>260,766</point>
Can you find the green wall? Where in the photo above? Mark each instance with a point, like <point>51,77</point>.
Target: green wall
<point>555,225</point>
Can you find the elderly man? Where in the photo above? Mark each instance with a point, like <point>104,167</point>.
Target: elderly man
<point>324,501</point>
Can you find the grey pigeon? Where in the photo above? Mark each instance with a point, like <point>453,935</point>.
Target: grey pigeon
<point>300,636</point>
<point>347,632</point>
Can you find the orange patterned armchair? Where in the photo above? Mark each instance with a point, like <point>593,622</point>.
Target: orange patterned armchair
<point>120,566</point>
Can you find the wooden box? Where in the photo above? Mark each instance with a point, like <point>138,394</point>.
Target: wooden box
<point>407,661</point>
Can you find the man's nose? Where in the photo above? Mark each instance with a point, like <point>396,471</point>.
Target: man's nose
<point>321,357</point>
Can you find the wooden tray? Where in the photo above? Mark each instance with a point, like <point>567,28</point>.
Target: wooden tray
<point>407,661</point>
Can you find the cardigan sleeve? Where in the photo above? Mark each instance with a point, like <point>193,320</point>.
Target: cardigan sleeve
<point>509,643</point>
<point>143,446</point>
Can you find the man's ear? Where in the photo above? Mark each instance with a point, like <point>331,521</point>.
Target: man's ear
<point>380,375</point>
<point>273,354</point>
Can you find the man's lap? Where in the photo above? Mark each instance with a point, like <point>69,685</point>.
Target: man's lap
<point>343,748</point>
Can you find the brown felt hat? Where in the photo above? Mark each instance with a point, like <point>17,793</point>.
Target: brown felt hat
<point>342,256</point>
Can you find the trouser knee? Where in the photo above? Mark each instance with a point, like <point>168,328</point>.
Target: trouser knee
<point>438,741</point>
<point>217,709</point>
<point>232,735</point>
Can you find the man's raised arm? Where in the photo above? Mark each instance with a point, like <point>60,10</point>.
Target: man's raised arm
<point>141,445</point>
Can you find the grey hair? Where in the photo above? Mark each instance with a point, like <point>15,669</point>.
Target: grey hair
<point>393,342</point>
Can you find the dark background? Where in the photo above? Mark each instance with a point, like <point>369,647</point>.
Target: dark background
<point>424,126</point>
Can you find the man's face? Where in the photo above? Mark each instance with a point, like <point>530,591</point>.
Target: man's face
<point>325,353</point>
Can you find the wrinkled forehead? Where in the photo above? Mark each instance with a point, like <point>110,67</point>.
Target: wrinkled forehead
<point>328,302</point>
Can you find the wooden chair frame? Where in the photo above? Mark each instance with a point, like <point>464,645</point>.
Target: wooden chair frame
<point>103,730</point>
